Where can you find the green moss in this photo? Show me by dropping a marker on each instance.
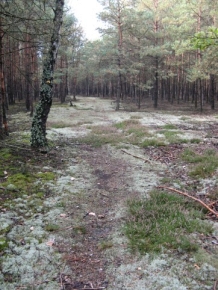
(5, 154)
(51, 227)
(5, 230)
(20, 181)
(40, 195)
(3, 243)
(46, 176)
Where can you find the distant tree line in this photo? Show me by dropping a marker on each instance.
(159, 50)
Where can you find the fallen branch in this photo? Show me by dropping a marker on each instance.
(15, 147)
(139, 157)
(192, 197)
(2, 188)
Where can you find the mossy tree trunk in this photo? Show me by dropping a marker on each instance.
(38, 130)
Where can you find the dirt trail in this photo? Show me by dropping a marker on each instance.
(88, 201)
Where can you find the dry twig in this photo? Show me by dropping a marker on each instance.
(192, 197)
(139, 157)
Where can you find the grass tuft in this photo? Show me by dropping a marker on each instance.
(152, 142)
(169, 127)
(205, 163)
(127, 123)
(164, 221)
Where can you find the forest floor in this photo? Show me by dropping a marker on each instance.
(63, 213)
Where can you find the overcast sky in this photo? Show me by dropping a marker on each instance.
(85, 11)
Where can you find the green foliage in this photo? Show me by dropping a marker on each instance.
(164, 221)
(138, 131)
(152, 142)
(3, 243)
(5, 154)
(195, 141)
(206, 163)
(59, 125)
(51, 227)
(20, 181)
(46, 176)
(169, 127)
(170, 135)
(5, 157)
(202, 40)
(127, 123)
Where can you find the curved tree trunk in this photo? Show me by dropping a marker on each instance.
(38, 130)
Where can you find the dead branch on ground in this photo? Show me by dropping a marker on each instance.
(192, 197)
(138, 157)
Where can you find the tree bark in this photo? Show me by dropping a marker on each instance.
(38, 130)
(3, 117)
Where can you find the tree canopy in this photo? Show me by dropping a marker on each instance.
(159, 51)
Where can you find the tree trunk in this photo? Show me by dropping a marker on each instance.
(3, 117)
(38, 130)
(212, 92)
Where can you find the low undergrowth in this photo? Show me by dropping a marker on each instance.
(98, 140)
(164, 221)
(203, 165)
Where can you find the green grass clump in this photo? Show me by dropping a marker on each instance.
(164, 221)
(138, 131)
(172, 136)
(127, 123)
(206, 163)
(20, 181)
(52, 227)
(170, 127)
(5, 154)
(3, 244)
(195, 141)
(59, 125)
(152, 142)
(46, 176)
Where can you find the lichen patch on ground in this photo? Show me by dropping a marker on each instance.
(67, 231)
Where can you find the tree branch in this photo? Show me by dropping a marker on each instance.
(192, 197)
